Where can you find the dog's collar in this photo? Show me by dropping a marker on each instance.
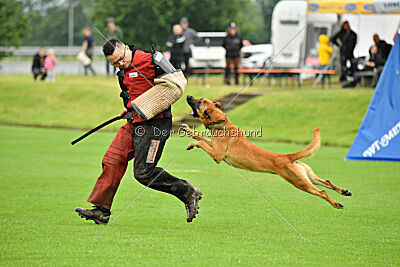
(215, 123)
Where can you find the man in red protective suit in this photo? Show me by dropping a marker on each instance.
(140, 139)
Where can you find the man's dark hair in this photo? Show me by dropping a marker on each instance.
(109, 46)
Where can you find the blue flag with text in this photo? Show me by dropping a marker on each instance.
(379, 135)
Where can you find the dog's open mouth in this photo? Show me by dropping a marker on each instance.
(194, 113)
(194, 104)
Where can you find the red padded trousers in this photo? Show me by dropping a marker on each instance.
(114, 163)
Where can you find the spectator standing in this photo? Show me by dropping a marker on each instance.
(324, 53)
(383, 47)
(191, 37)
(38, 64)
(346, 39)
(112, 31)
(87, 47)
(176, 42)
(50, 66)
(232, 43)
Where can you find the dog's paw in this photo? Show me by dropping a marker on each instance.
(191, 145)
(346, 192)
(187, 129)
(339, 205)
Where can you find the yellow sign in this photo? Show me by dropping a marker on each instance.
(354, 7)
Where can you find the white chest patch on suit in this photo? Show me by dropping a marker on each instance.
(151, 154)
(133, 74)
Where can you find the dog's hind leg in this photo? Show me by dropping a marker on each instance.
(297, 176)
(318, 181)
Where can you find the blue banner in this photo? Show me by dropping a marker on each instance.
(379, 135)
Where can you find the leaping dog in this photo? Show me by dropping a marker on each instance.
(230, 144)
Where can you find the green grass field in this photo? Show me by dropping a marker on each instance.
(44, 178)
(286, 114)
(76, 101)
(291, 116)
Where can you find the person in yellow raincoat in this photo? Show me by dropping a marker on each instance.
(324, 53)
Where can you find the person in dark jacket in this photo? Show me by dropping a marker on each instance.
(191, 37)
(176, 42)
(232, 43)
(346, 39)
(112, 31)
(38, 65)
(383, 47)
(375, 63)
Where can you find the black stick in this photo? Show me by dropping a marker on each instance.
(95, 129)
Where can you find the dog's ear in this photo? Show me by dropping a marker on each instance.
(218, 105)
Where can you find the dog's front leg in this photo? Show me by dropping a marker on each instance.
(217, 153)
(195, 135)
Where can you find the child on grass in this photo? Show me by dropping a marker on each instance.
(50, 65)
(324, 51)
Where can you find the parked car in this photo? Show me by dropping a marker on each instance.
(256, 56)
(207, 51)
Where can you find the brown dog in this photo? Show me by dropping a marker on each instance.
(230, 144)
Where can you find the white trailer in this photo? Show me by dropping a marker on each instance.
(287, 33)
(295, 32)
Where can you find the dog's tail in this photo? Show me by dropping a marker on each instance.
(310, 149)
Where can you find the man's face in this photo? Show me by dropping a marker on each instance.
(121, 57)
(232, 31)
(376, 38)
(111, 25)
(177, 29)
(184, 25)
(42, 52)
(374, 50)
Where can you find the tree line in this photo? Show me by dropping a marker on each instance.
(45, 22)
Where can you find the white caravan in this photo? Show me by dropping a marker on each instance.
(295, 32)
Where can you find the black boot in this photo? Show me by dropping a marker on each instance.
(99, 214)
(192, 204)
(236, 76)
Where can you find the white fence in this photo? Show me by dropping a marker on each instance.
(58, 50)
